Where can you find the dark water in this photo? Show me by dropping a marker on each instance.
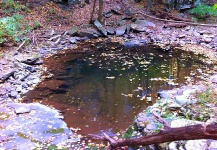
(106, 89)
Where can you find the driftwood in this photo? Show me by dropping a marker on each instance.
(168, 134)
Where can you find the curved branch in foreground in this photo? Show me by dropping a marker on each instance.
(190, 23)
(167, 134)
(192, 132)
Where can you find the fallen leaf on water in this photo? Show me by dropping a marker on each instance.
(112, 77)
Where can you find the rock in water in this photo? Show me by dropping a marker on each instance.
(100, 28)
(121, 30)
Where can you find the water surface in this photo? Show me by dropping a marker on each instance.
(106, 89)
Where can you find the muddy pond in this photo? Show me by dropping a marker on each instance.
(102, 86)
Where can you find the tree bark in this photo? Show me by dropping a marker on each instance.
(173, 134)
(168, 134)
(100, 13)
(94, 6)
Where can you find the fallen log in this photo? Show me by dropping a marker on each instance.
(192, 132)
(167, 134)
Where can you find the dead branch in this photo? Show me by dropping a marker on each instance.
(165, 20)
(159, 119)
(192, 132)
(176, 25)
(168, 134)
(20, 46)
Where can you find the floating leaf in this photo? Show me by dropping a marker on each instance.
(112, 77)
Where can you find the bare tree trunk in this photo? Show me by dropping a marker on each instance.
(93, 10)
(100, 13)
(149, 5)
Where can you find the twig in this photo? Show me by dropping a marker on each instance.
(111, 140)
(21, 45)
(159, 119)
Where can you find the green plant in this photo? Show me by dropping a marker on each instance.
(37, 24)
(202, 11)
(129, 131)
(207, 97)
(9, 28)
(10, 6)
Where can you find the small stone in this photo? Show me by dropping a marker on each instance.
(111, 31)
(174, 106)
(100, 27)
(29, 68)
(196, 33)
(121, 30)
(24, 91)
(14, 94)
(181, 35)
(73, 31)
(131, 43)
(19, 89)
(213, 78)
(142, 41)
(87, 1)
(22, 110)
(183, 122)
(173, 146)
(5, 74)
(37, 80)
(108, 14)
(73, 40)
(213, 145)
(196, 145)
(206, 39)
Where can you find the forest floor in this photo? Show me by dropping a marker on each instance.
(47, 17)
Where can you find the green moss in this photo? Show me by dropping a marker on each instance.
(22, 135)
(9, 6)
(54, 147)
(9, 28)
(129, 131)
(207, 97)
(55, 131)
